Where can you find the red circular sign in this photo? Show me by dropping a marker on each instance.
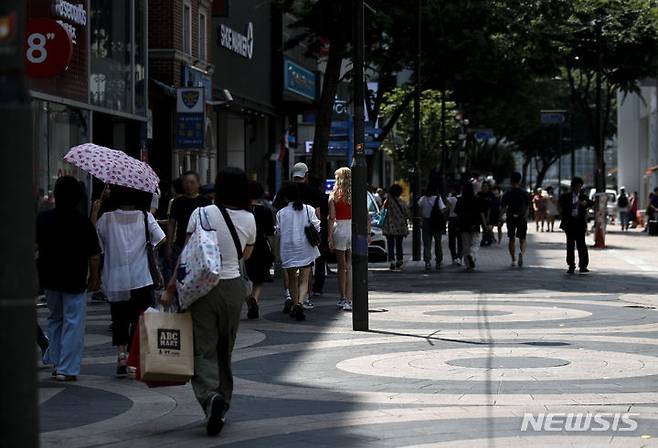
(47, 48)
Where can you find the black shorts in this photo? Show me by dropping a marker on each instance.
(517, 228)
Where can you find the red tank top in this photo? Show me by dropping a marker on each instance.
(343, 210)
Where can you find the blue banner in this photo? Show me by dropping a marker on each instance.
(299, 80)
(189, 131)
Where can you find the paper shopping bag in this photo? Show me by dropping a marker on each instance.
(166, 347)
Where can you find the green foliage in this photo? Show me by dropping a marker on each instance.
(399, 143)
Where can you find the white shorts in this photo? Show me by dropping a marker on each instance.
(342, 235)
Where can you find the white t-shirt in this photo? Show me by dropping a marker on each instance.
(245, 226)
(452, 202)
(296, 251)
(125, 263)
(426, 204)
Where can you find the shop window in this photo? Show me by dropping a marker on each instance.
(203, 40)
(187, 28)
(141, 50)
(111, 60)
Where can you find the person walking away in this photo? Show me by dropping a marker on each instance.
(574, 206)
(181, 210)
(68, 250)
(552, 209)
(516, 204)
(496, 216)
(633, 210)
(454, 235)
(216, 316)
(624, 208)
(340, 234)
(320, 268)
(471, 211)
(539, 206)
(434, 225)
(127, 281)
(396, 226)
(488, 198)
(259, 264)
(297, 253)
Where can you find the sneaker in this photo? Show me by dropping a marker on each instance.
(340, 303)
(62, 378)
(470, 262)
(571, 270)
(584, 270)
(122, 365)
(308, 305)
(298, 313)
(438, 265)
(215, 415)
(520, 259)
(253, 310)
(287, 306)
(398, 264)
(428, 266)
(347, 306)
(392, 266)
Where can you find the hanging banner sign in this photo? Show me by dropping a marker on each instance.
(47, 48)
(190, 118)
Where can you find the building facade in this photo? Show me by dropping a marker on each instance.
(88, 83)
(637, 130)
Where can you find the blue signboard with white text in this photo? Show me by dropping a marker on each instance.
(190, 118)
(299, 80)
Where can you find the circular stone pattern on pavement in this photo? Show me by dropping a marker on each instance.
(475, 313)
(506, 364)
(511, 362)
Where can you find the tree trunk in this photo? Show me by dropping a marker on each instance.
(524, 170)
(326, 108)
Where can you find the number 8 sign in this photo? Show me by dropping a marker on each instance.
(48, 48)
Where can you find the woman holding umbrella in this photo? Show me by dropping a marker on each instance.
(124, 233)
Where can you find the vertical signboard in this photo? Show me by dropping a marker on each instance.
(190, 117)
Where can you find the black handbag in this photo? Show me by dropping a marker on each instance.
(154, 269)
(312, 234)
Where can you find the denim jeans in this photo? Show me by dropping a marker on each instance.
(66, 331)
(429, 235)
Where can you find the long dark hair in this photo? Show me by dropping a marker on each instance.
(231, 188)
(290, 191)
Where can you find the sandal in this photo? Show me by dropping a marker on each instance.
(122, 365)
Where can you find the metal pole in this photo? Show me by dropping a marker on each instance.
(18, 406)
(559, 161)
(359, 181)
(442, 171)
(416, 178)
(599, 170)
(573, 147)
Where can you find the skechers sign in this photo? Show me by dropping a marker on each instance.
(237, 42)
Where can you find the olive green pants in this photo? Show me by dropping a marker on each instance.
(216, 318)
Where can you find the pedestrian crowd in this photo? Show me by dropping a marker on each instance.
(122, 250)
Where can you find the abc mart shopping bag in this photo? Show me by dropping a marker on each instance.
(200, 262)
(166, 347)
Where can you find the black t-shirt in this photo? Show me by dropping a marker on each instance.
(181, 210)
(65, 240)
(516, 200)
(469, 211)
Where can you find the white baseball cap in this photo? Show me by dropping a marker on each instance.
(299, 170)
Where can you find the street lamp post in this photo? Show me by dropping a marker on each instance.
(599, 170)
(359, 180)
(18, 406)
(417, 140)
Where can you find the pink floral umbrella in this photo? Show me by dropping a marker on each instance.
(113, 167)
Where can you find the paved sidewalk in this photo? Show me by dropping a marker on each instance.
(456, 360)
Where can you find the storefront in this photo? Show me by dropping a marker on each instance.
(85, 82)
(244, 115)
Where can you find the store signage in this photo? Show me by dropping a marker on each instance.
(70, 15)
(299, 80)
(237, 42)
(48, 48)
(196, 78)
(190, 118)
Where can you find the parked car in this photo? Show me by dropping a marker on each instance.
(611, 206)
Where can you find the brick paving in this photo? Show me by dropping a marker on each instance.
(454, 359)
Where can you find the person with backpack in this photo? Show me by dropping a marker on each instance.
(516, 204)
(216, 315)
(623, 207)
(432, 211)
